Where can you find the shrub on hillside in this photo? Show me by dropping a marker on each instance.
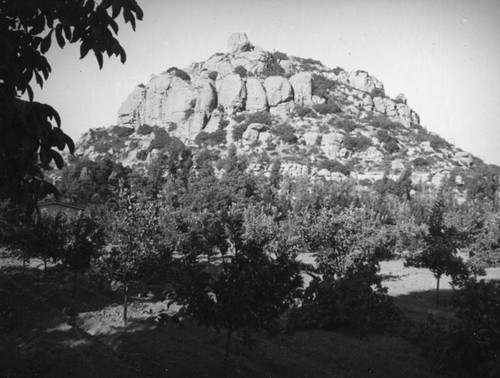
(377, 92)
(240, 70)
(179, 73)
(421, 162)
(172, 126)
(286, 133)
(334, 166)
(144, 129)
(278, 55)
(273, 68)
(382, 122)
(337, 70)
(122, 131)
(322, 86)
(327, 108)
(304, 111)
(437, 142)
(344, 124)
(259, 117)
(239, 130)
(142, 155)
(357, 143)
(210, 139)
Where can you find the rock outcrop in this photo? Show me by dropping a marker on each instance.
(256, 96)
(302, 88)
(238, 42)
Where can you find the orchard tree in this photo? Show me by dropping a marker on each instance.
(27, 29)
(256, 282)
(139, 247)
(440, 248)
(85, 240)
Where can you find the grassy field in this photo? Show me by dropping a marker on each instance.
(45, 332)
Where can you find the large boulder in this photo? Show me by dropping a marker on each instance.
(232, 93)
(302, 88)
(364, 82)
(219, 63)
(238, 42)
(330, 144)
(251, 134)
(256, 96)
(278, 90)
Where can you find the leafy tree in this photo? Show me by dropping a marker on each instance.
(26, 31)
(140, 248)
(439, 253)
(255, 283)
(85, 240)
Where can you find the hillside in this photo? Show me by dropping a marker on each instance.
(320, 122)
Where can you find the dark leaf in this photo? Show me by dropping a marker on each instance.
(67, 32)
(84, 49)
(70, 144)
(45, 45)
(58, 139)
(117, 5)
(39, 79)
(30, 92)
(123, 55)
(45, 156)
(98, 56)
(59, 36)
(57, 159)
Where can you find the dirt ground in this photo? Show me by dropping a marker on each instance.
(46, 333)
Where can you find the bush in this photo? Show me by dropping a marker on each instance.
(240, 70)
(344, 124)
(142, 155)
(179, 73)
(278, 55)
(377, 92)
(259, 117)
(421, 162)
(334, 166)
(122, 131)
(437, 142)
(215, 138)
(311, 61)
(477, 341)
(327, 108)
(304, 112)
(239, 130)
(322, 86)
(356, 301)
(337, 70)
(273, 68)
(286, 133)
(382, 122)
(144, 129)
(206, 155)
(357, 143)
(213, 75)
(172, 126)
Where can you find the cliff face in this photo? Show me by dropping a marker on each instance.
(250, 79)
(321, 122)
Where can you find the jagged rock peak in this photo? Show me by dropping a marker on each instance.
(239, 42)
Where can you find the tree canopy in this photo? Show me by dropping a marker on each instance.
(30, 130)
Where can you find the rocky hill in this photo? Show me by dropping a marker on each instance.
(320, 122)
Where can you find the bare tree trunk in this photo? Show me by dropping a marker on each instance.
(437, 290)
(125, 305)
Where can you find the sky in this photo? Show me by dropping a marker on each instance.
(444, 55)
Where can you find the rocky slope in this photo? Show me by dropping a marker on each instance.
(323, 123)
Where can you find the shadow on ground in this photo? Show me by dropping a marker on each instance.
(46, 333)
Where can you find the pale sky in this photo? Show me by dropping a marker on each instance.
(444, 55)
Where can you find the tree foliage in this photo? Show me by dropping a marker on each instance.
(27, 29)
